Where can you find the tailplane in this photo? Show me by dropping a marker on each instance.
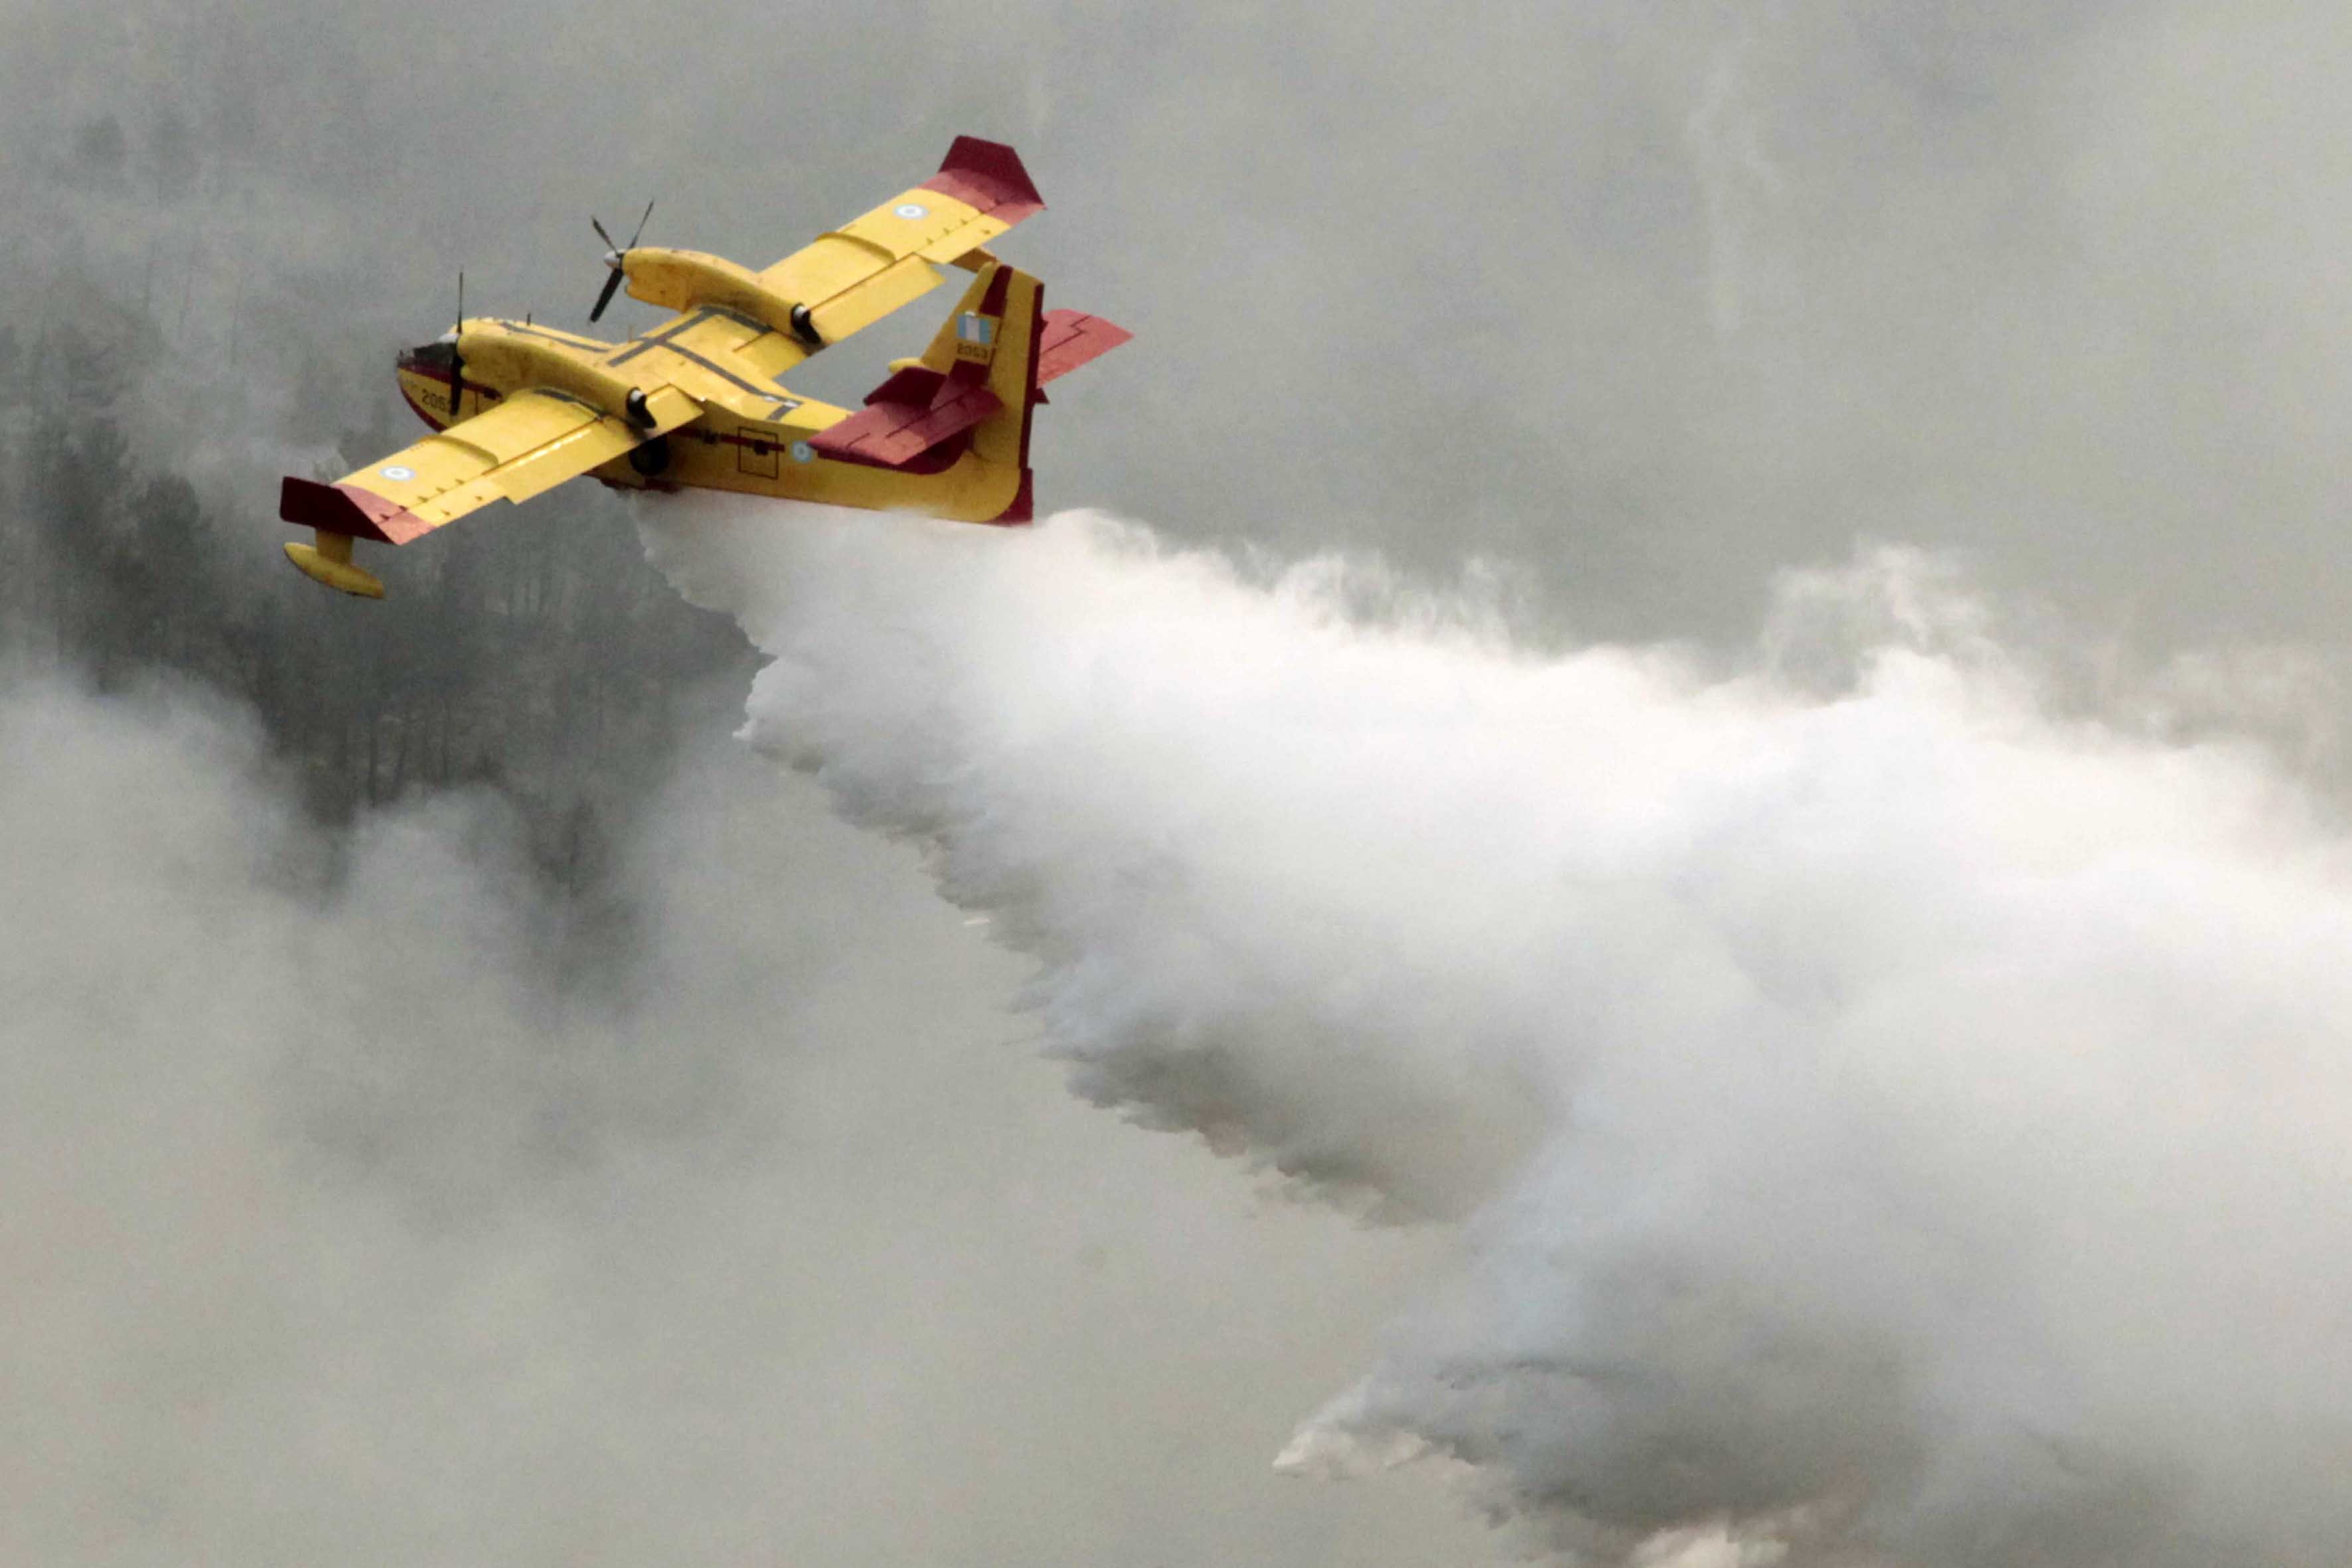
(974, 388)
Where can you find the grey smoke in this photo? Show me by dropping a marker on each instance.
(1656, 300)
(336, 1231)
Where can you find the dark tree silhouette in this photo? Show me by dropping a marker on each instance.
(532, 653)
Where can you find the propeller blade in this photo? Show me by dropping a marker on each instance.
(612, 287)
(613, 255)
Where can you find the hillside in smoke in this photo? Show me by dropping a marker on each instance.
(343, 1224)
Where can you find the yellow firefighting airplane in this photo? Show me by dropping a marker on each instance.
(519, 409)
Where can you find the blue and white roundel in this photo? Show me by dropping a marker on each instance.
(399, 471)
(803, 452)
(910, 211)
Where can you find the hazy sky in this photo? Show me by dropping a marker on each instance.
(331, 1234)
(1648, 299)
(792, 1243)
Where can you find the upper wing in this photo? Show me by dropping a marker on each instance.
(525, 443)
(864, 270)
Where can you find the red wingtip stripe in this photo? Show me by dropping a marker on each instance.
(988, 176)
(347, 508)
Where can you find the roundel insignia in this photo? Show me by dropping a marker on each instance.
(910, 211)
(803, 453)
(400, 472)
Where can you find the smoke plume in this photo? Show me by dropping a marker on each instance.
(1891, 1121)
(340, 1226)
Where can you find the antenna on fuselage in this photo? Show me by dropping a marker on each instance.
(457, 355)
(613, 255)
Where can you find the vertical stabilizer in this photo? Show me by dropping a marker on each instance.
(971, 391)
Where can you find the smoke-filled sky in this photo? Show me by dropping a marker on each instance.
(1748, 989)
(1653, 299)
(332, 1235)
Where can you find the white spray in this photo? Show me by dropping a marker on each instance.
(1894, 1125)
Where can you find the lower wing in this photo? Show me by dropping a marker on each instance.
(530, 442)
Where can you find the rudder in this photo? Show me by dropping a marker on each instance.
(994, 337)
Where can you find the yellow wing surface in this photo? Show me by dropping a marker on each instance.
(575, 403)
(869, 267)
(525, 444)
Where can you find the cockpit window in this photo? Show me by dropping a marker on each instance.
(437, 355)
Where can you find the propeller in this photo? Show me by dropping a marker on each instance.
(612, 254)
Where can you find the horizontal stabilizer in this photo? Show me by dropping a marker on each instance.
(916, 412)
(1071, 339)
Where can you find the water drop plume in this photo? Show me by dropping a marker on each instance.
(1887, 1119)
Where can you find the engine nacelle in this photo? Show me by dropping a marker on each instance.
(689, 279)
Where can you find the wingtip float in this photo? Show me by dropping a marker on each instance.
(519, 407)
(329, 561)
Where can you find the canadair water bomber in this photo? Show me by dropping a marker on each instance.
(517, 408)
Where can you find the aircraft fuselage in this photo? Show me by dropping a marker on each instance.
(752, 438)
